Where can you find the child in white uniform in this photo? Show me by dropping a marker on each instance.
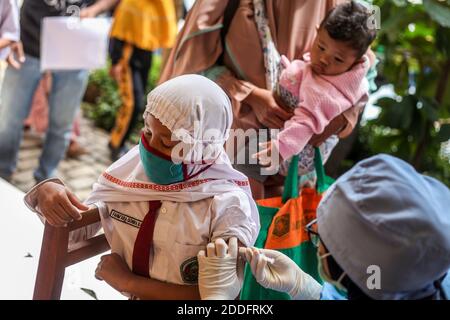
(158, 213)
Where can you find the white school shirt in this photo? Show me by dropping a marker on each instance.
(181, 230)
(9, 23)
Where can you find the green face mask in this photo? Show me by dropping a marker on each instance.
(159, 168)
(336, 283)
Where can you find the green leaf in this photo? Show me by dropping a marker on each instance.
(90, 292)
(438, 11)
(444, 133)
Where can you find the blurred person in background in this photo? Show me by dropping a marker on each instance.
(22, 78)
(9, 26)
(37, 120)
(139, 28)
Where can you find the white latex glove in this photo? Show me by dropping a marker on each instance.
(274, 270)
(217, 275)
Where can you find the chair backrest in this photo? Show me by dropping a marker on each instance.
(57, 254)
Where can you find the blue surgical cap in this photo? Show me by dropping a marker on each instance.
(383, 215)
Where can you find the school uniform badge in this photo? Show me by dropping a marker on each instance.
(189, 271)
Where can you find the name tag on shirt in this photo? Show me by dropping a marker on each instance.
(121, 217)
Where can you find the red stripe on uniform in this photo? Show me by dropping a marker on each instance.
(167, 188)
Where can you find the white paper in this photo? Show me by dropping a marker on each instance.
(70, 43)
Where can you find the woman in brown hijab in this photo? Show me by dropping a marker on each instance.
(240, 68)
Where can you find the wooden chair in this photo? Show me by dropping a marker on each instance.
(57, 254)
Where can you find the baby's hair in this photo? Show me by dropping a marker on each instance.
(349, 22)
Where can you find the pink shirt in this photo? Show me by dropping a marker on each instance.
(318, 99)
(9, 23)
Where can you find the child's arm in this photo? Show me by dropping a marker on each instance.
(113, 269)
(151, 289)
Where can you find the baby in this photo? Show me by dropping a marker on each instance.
(330, 79)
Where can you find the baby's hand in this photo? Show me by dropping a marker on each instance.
(267, 156)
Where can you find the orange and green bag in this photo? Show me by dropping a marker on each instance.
(283, 220)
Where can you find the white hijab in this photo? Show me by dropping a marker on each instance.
(196, 110)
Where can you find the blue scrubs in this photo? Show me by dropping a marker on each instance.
(329, 292)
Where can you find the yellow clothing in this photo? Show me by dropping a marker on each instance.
(146, 24)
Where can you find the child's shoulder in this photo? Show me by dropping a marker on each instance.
(237, 202)
(235, 197)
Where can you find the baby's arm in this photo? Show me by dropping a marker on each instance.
(311, 117)
(296, 133)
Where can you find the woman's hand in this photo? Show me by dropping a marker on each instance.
(266, 109)
(113, 269)
(58, 205)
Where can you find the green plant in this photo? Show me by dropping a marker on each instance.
(106, 102)
(414, 48)
(104, 97)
